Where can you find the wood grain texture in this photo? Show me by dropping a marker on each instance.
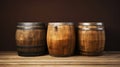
(91, 39)
(11, 59)
(61, 39)
(16, 65)
(31, 42)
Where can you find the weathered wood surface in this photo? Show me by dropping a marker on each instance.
(91, 38)
(11, 59)
(60, 39)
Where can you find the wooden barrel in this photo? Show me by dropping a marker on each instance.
(91, 36)
(61, 39)
(31, 38)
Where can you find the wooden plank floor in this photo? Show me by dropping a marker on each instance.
(109, 59)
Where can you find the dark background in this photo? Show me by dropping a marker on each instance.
(13, 11)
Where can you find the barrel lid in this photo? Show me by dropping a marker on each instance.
(30, 24)
(60, 23)
(91, 23)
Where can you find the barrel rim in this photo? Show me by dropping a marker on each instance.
(91, 29)
(91, 23)
(30, 23)
(60, 23)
